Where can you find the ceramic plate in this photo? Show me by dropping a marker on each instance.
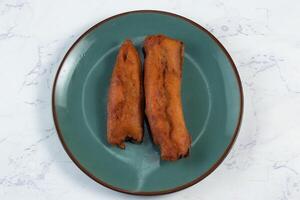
(211, 94)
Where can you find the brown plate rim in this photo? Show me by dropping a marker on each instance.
(178, 188)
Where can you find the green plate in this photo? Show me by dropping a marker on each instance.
(211, 94)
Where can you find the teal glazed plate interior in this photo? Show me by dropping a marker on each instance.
(211, 94)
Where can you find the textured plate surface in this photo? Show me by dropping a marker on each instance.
(211, 93)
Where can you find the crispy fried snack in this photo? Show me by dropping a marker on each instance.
(162, 83)
(125, 109)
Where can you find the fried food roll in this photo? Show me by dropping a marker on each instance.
(162, 84)
(125, 98)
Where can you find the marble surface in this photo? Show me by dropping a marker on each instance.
(264, 41)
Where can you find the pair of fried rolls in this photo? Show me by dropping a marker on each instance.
(162, 94)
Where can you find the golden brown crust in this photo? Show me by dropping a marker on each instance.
(125, 112)
(162, 84)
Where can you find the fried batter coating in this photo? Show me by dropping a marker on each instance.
(125, 109)
(162, 85)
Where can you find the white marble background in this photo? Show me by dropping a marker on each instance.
(261, 35)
